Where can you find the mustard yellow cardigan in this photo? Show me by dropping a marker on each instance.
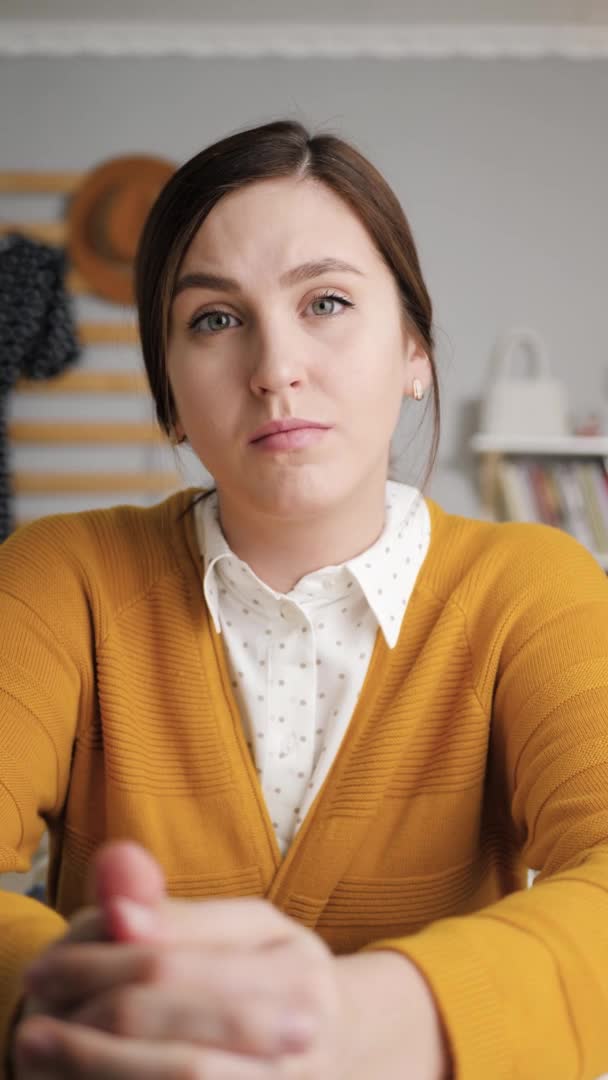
(478, 748)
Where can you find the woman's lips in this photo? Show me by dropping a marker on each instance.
(296, 439)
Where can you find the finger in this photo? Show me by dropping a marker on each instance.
(123, 868)
(74, 972)
(236, 923)
(258, 1026)
(88, 924)
(57, 1049)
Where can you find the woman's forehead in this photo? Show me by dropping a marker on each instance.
(287, 220)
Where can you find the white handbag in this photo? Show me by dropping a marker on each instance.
(520, 404)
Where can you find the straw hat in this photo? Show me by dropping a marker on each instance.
(105, 218)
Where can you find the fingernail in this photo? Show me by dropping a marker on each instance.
(139, 919)
(296, 1031)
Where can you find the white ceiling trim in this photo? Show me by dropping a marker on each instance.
(59, 37)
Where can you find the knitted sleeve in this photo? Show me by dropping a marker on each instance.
(522, 985)
(44, 636)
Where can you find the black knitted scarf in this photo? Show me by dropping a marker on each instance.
(37, 332)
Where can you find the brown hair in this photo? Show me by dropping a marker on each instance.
(280, 148)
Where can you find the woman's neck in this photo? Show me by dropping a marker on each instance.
(281, 549)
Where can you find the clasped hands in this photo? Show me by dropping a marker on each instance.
(143, 987)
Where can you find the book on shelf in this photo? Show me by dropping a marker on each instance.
(570, 494)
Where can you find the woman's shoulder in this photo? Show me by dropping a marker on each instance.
(118, 550)
(499, 559)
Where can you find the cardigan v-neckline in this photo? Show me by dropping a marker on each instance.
(299, 879)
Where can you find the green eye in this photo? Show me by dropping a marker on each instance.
(211, 322)
(324, 306)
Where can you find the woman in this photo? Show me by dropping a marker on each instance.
(338, 721)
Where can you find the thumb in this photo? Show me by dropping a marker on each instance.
(124, 870)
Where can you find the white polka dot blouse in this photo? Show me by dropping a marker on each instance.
(298, 660)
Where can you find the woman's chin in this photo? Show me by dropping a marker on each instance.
(293, 497)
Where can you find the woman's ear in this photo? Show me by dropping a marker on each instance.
(417, 367)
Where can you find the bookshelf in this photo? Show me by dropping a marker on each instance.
(561, 481)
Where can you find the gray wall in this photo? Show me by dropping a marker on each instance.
(402, 11)
(501, 166)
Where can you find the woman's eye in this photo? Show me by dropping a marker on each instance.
(211, 322)
(329, 305)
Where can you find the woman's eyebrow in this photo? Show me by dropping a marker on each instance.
(202, 279)
(315, 269)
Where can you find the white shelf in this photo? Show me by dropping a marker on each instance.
(581, 445)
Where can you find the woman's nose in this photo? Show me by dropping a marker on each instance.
(277, 361)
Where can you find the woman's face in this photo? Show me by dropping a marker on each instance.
(284, 308)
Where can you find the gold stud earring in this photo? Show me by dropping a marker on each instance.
(417, 390)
